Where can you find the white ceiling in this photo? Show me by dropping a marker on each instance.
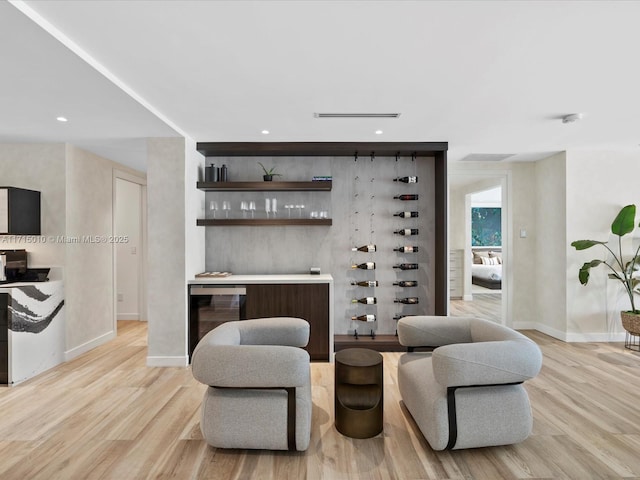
(487, 77)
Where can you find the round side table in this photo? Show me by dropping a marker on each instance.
(358, 392)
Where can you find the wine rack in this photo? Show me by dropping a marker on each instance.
(408, 261)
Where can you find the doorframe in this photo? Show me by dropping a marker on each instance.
(504, 178)
(142, 259)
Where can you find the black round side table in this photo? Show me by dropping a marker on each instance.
(358, 392)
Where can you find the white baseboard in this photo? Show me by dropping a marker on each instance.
(167, 361)
(90, 345)
(570, 337)
(595, 337)
(128, 316)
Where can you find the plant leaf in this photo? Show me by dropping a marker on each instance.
(625, 221)
(584, 244)
(583, 274)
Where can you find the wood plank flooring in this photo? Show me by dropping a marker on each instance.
(105, 415)
(483, 305)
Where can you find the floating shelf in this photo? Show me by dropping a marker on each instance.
(318, 186)
(262, 222)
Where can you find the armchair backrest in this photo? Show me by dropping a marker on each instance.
(472, 351)
(254, 353)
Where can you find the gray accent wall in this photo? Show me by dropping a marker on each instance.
(361, 205)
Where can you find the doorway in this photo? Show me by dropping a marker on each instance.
(477, 200)
(129, 246)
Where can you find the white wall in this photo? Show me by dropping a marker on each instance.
(194, 209)
(38, 167)
(599, 184)
(128, 218)
(551, 246)
(175, 247)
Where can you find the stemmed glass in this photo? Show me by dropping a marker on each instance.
(244, 207)
(274, 206)
(252, 208)
(213, 206)
(267, 206)
(227, 207)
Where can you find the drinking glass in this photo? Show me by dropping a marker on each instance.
(213, 206)
(227, 207)
(267, 206)
(244, 207)
(274, 206)
(252, 207)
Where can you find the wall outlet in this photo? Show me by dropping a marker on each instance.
(120, 297)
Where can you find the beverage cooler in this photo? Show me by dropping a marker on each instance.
(211, 306)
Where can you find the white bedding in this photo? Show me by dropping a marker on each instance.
(487, 272)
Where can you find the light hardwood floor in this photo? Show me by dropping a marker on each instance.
(483, 305)
(107, 415)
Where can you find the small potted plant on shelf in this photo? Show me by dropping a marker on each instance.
(622, 268)
(269, 174)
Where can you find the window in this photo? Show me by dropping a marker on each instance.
(486, 227)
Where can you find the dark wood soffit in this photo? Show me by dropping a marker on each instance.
(320, 149)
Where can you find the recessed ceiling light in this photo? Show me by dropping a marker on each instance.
(378, 132)
(574, 117)
(61, 119)
(265, 132)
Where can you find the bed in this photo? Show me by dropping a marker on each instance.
(486, 268)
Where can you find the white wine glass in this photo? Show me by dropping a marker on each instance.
(252, 208)
(226, 206)
(213, 206)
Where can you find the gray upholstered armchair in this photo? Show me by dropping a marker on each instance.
(259, 393)
(468, 392)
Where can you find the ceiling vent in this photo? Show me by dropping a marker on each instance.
(356, 115)
(486, 157)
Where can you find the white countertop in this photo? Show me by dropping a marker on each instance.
(266, 278)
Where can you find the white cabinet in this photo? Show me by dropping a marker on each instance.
(456, 274)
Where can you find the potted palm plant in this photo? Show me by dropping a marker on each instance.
(622, 268)
(269, 174)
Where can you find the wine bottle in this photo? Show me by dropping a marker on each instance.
(406, 214)
(407, 266)
(364, 248)
(406, 179)
(365, 300)
(406, 231)
(406, 249)
(406, 283)
(365, 266)
(365, 318)
(407, 300)
(368, 283)
(405, 197)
